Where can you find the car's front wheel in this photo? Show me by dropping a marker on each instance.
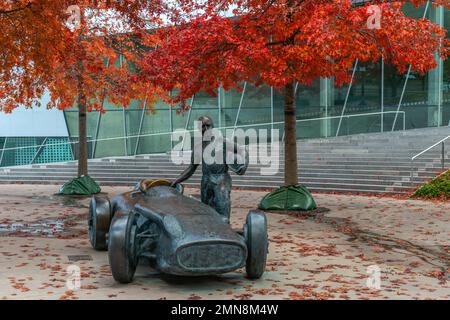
(122, 249)
(98, 223)
(255, 234)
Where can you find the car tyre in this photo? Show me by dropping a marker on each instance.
(122, 248)
(98, 222)
(255, 234)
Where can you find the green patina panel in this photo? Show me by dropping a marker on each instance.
(295, 198)
(83, 185)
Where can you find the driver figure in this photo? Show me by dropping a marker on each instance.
(216, 180)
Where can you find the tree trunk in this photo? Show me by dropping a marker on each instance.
(82, 130)
(82, 135)
(290, 139)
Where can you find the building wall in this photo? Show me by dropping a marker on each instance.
(33, 135)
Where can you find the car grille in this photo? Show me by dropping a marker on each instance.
(211, 257)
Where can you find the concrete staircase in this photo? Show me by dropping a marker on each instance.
(365, 163)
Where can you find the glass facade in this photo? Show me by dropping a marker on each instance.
(17, 151)
(378, 99)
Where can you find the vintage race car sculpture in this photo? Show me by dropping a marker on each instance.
(177, 234)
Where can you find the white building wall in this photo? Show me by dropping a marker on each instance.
(33, 122)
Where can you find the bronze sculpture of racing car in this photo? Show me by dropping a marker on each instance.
(177, 234)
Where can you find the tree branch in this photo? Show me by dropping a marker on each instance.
(7, 12)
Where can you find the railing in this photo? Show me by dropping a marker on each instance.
(186, 130)
(352, 116)
(440, 142)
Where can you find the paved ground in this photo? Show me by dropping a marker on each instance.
(331, 256)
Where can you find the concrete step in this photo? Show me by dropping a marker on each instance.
(370, 163)
(317, 174)
(340, 189)
(318, 171)
(357, 165)
(330, 186)
(363, 174)
(387, 181)
(302, 166)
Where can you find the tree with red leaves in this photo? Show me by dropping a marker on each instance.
(71, 48)
(279, 43)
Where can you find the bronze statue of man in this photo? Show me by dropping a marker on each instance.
(216, 180)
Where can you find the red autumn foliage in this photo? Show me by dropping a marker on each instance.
(41, 51)
(278, 42)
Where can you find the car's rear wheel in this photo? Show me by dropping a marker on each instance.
(99, 221)
(122, 248)
(255, 234)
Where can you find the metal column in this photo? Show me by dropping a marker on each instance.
(219, 107)
(3, 151)
(39, 150)
(240, 107)
(124, 118)
(406, 79)
(347, 96)
(140, 126)
(99, 118)
(271, 115)
(187, 122)
(382, 95)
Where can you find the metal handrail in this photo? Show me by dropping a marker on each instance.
(442, 142)
(348, 116)
(192, 130)
(429, 148)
